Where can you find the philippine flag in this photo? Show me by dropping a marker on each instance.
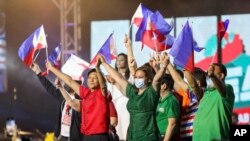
(37, 40)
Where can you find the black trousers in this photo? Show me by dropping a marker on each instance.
(62, 138)
(97, 137)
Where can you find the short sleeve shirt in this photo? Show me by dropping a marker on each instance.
(142, 109)
(168, 107)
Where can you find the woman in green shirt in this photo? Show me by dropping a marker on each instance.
(143, 97)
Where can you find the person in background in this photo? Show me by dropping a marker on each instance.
(120, 101)
(93, 104)
(235, 119)
(143, 98)
(214, 116)
(69, 120)
(168, 110)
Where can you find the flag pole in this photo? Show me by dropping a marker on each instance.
(47, 58)
(155, 43)
(36, 56)
(129, 30)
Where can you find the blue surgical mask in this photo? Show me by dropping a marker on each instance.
(139, 83)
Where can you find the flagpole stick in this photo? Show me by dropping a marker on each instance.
(155, 43)
(213, 59)
(47, 58)
(34, 60)
(129, 30)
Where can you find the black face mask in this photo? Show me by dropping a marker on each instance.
(67, 88)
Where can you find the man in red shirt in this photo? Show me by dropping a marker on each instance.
(93, 105)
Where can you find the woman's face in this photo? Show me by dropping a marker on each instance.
(140, 76)
(121, 62)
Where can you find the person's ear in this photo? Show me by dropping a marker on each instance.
(164, 86)
(222, 76)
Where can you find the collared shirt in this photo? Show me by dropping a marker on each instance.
(213, 118)
(95, 112)
(142, 108)
(168, 107)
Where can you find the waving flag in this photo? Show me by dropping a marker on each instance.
(182, 49)
(159, 25)
(196, 47)
(154, 32)
(140, 14)
(107, 50)
(37, 40)
(222, 28)
(55, 57)
(74, 67)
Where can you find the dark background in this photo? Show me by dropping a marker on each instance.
(33, 107)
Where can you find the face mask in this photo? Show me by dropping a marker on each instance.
(210, 83)
(139, 83)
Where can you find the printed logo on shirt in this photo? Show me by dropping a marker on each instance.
(161, 110)
(67, 118)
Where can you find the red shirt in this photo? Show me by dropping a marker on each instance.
(112, 110)
(95, 112)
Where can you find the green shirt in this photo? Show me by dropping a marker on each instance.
(142, 126)
(168, 107)
(213, 118)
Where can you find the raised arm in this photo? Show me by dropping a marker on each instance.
(73, 103)
(218, 83)
(164, 61)
(177, 78)
(101, 79)
(131, 60)
(193, 84)
(118, 78)
(50, 88)
(64, 77)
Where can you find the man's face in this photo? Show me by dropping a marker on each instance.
(93, 82)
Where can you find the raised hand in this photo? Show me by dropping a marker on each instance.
(127, 41)
(49, 65)
(132, 63)
(164, 59)
(101, 59)
(210, 71)
(58, 83)
(35, 68)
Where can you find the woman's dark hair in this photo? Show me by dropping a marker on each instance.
(127, 72)
(150, 67)
(148, 73)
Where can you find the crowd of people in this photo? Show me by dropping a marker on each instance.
(153, 102)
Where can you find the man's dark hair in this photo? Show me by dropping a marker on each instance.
(92, 70)
(223, 69)
(168, 80)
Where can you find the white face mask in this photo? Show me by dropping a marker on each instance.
(139, 83)
(210, 83)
